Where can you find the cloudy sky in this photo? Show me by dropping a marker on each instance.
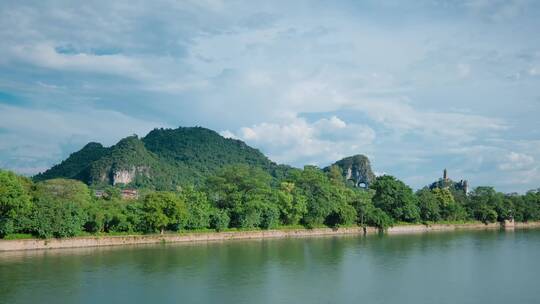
(417, 87)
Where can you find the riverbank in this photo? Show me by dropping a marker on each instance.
(96, 241)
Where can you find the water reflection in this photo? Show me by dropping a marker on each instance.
(434, 267)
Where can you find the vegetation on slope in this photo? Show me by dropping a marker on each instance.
(163, 160)
(245, 197)
(194, 179)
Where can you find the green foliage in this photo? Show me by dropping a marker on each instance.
(246, 193)
(162, 160)
(15, 203)
(526, 207)
(65, 190)
(60, 208)
(450, 210)
(219, 219)
(342, 215)
(164, 210)
(439, 204)
(429, 205)
(219, 183)
(376, 217)
(199, 208)
(487, 205)
(367, 213)
(57, 218)
(316, 187)
(106, 215)
(76, 164)
(395, 198)
(292, 203)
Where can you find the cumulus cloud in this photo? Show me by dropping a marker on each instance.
(416, 94)
(45, 55)
(299, 142)
(516, 161)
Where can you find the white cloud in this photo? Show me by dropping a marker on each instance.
(516, 161)
(261, 70)
(45, 55)
(297, 141)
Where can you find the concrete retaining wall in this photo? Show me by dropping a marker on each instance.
(28, 244)
(32, 244)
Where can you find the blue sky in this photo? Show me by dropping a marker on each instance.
(416, 86)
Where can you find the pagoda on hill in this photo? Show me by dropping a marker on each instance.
(446, 183)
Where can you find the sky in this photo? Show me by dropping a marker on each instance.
(418, 86)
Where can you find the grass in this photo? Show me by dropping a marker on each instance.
(18, 236)
(22, 236)
(460, 222)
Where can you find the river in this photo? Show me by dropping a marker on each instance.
(436, 267)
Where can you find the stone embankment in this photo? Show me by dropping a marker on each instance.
(32, 244)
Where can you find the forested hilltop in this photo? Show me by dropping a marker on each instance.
(162, 160)
(194, 179)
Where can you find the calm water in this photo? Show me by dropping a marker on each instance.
(451, 267)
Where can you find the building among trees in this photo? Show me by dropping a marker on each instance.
(446, 183)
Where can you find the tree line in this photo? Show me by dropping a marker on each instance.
(245, 197)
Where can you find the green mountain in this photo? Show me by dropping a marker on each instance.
(163, 159)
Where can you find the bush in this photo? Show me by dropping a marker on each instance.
(343, 215)
(378, 218)
(54, 218)
(219, 220)
(270, 217)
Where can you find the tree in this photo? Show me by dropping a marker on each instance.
(376, 217)
(395, 198)
(60, 207)
(335, 175)
(57, 218)
(108, 215)
(164, 210)
(315, 186)
(367, 213)
(449, 209)
(428, 204)
(484, 204)
(246, 193)
(292, 203)
(343, 215)
(15, 203)
(219, 220)
(199, 209)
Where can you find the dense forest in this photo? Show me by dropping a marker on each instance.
(245, 197)
(162, 160)
(195, 179)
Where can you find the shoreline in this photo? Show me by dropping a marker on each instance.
(99, 241)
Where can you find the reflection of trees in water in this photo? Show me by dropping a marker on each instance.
(34, 276)
(245, 271)
(402, 245)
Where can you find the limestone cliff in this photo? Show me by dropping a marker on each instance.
(356, 169)
(126, 176)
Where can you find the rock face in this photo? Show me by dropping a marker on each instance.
(356, 169)
(123, 177)
(126, 176)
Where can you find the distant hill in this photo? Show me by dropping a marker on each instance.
(356, 169)
(163, 159)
